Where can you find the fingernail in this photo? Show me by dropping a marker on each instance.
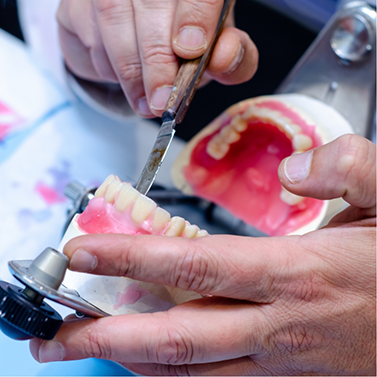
(143, 106)
(236, 61)
(50, 351)
(297, 166)
(191, 38)
(160, 97)
(82, 261)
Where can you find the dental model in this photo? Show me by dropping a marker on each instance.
(118, 208)
(233, 162)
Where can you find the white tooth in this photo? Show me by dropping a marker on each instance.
(302, 142)
(217, 148)
(142, 208)
(289, 198)
(230, 135)
(112, 191)
(202, 233)
(239, 124)
(216, 151)
(160, 219)
(176, 227)
(102, 189)
(217, 139)
(127, 195)
(191, 231)
(291, 129)
(249, 112)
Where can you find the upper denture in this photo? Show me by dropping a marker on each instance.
(233, 162)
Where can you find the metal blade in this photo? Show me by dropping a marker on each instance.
(160, 147)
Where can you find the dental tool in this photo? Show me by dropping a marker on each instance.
(184, 88)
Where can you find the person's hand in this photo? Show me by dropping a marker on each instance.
(295, 305)
(138, 42)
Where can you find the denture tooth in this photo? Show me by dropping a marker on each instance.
(176, 227)
(217, 152)
(142, 208)
(302, 142)
(217, 148)
(249, 112)
(112, 191)
(291, 129)
(202, 233)
(160, 219)
(238, 123)
(230, 135)
(102, 189)
(191, 231)
(289, 198)
(126, 196)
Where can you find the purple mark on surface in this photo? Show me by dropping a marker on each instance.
(131, 294)
(27, 217)
(54, 193)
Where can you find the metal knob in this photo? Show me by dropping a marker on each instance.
(49, 268)
(23, 314)
(352, 38)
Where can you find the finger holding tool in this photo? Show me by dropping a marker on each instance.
(184, 88)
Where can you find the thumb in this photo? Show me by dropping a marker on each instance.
(344, 168)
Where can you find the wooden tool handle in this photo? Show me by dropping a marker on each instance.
(189, 75)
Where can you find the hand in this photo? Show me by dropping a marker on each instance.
(296, 305)
(137, 43)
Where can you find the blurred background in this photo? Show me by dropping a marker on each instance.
(282, 31)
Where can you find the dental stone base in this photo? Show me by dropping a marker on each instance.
(120, 295)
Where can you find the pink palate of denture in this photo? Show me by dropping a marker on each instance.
(118, 208)
(233, 162)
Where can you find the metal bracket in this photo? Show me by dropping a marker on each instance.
(339, 68)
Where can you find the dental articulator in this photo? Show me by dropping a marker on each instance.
(335, 80)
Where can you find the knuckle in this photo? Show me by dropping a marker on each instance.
(156, 53)
(97, 345)
(175, 346)
(113, 12)
(196, 270)
(129, 70)
(204, 7)
(131, 261)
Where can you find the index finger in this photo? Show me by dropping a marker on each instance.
(229, 266)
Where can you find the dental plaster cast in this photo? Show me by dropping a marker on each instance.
(118, 208)
(233, 162)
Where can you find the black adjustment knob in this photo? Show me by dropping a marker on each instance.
(23, 315)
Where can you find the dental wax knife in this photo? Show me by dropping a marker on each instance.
(184, 88)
